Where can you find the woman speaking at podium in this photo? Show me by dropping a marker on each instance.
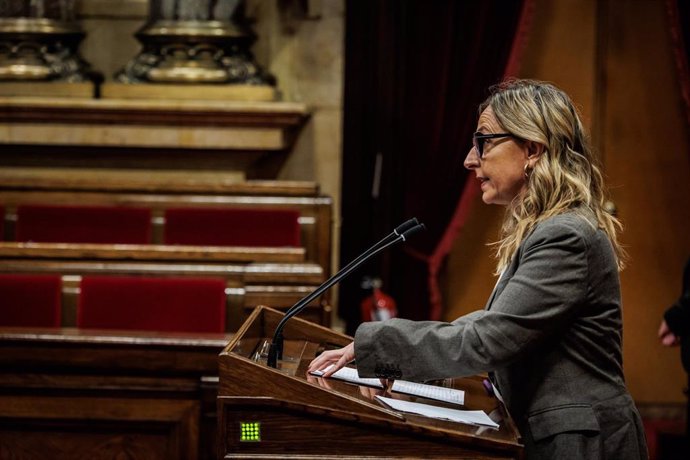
(550, 335)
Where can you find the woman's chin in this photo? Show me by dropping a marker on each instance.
(490, 198)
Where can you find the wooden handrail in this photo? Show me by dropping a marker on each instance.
(150, 252)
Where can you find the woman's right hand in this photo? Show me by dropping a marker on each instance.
(666, 336)
(337, 359)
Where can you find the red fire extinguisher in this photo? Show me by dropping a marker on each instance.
(377, 305)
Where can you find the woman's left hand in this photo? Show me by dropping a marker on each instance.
(337, 358)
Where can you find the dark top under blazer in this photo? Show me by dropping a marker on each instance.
(550, 336)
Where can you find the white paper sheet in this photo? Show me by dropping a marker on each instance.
(349, 374)
(473, 417)
(449, 395)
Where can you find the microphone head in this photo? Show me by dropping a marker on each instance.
(411, 231)
(408, 224)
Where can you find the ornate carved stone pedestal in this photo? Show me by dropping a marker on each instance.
(197, 42)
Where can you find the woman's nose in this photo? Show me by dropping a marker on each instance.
(472, 159)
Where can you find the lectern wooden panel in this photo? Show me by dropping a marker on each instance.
(284, 413)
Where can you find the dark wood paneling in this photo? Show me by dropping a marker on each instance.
(67, 394)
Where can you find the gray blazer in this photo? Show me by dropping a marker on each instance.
(550, 338)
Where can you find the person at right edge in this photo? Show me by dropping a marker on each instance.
(550, 335)
(675, 330)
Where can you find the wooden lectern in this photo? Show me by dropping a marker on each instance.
(283, 413)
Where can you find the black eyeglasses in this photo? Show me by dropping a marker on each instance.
(479, 139)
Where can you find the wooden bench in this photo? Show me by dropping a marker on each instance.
(247, 284)
(160, 192)
(150, 252)
(67, 393)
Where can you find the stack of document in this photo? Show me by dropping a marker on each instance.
(450, 395)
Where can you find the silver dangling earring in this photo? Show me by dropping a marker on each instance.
(527, 171)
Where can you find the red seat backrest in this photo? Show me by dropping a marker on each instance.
(174, 304)
(83, 224)
(30, 300)
(232, 227)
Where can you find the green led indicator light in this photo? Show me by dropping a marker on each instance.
(250, 431)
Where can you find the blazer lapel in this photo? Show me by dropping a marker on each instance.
(497, 290)
(502, 282)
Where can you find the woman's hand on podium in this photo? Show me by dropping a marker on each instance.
(337, 359)
(319, 381)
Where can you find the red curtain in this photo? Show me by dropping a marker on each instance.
(679, 26)
(415, 73)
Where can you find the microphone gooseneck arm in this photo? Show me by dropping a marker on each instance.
(401, 233)
(400, 229)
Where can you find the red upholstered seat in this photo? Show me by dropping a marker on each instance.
(232, 227)
(83, 224)
(152, 303)
(30, 300)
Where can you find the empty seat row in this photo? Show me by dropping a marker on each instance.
(213, 210)
(167, 304)
(133, 225)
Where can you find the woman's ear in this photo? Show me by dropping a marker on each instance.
(534, 149)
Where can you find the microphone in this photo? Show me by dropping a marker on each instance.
(400, 229)
(401, 233)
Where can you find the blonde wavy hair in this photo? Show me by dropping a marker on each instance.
(566, 177)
